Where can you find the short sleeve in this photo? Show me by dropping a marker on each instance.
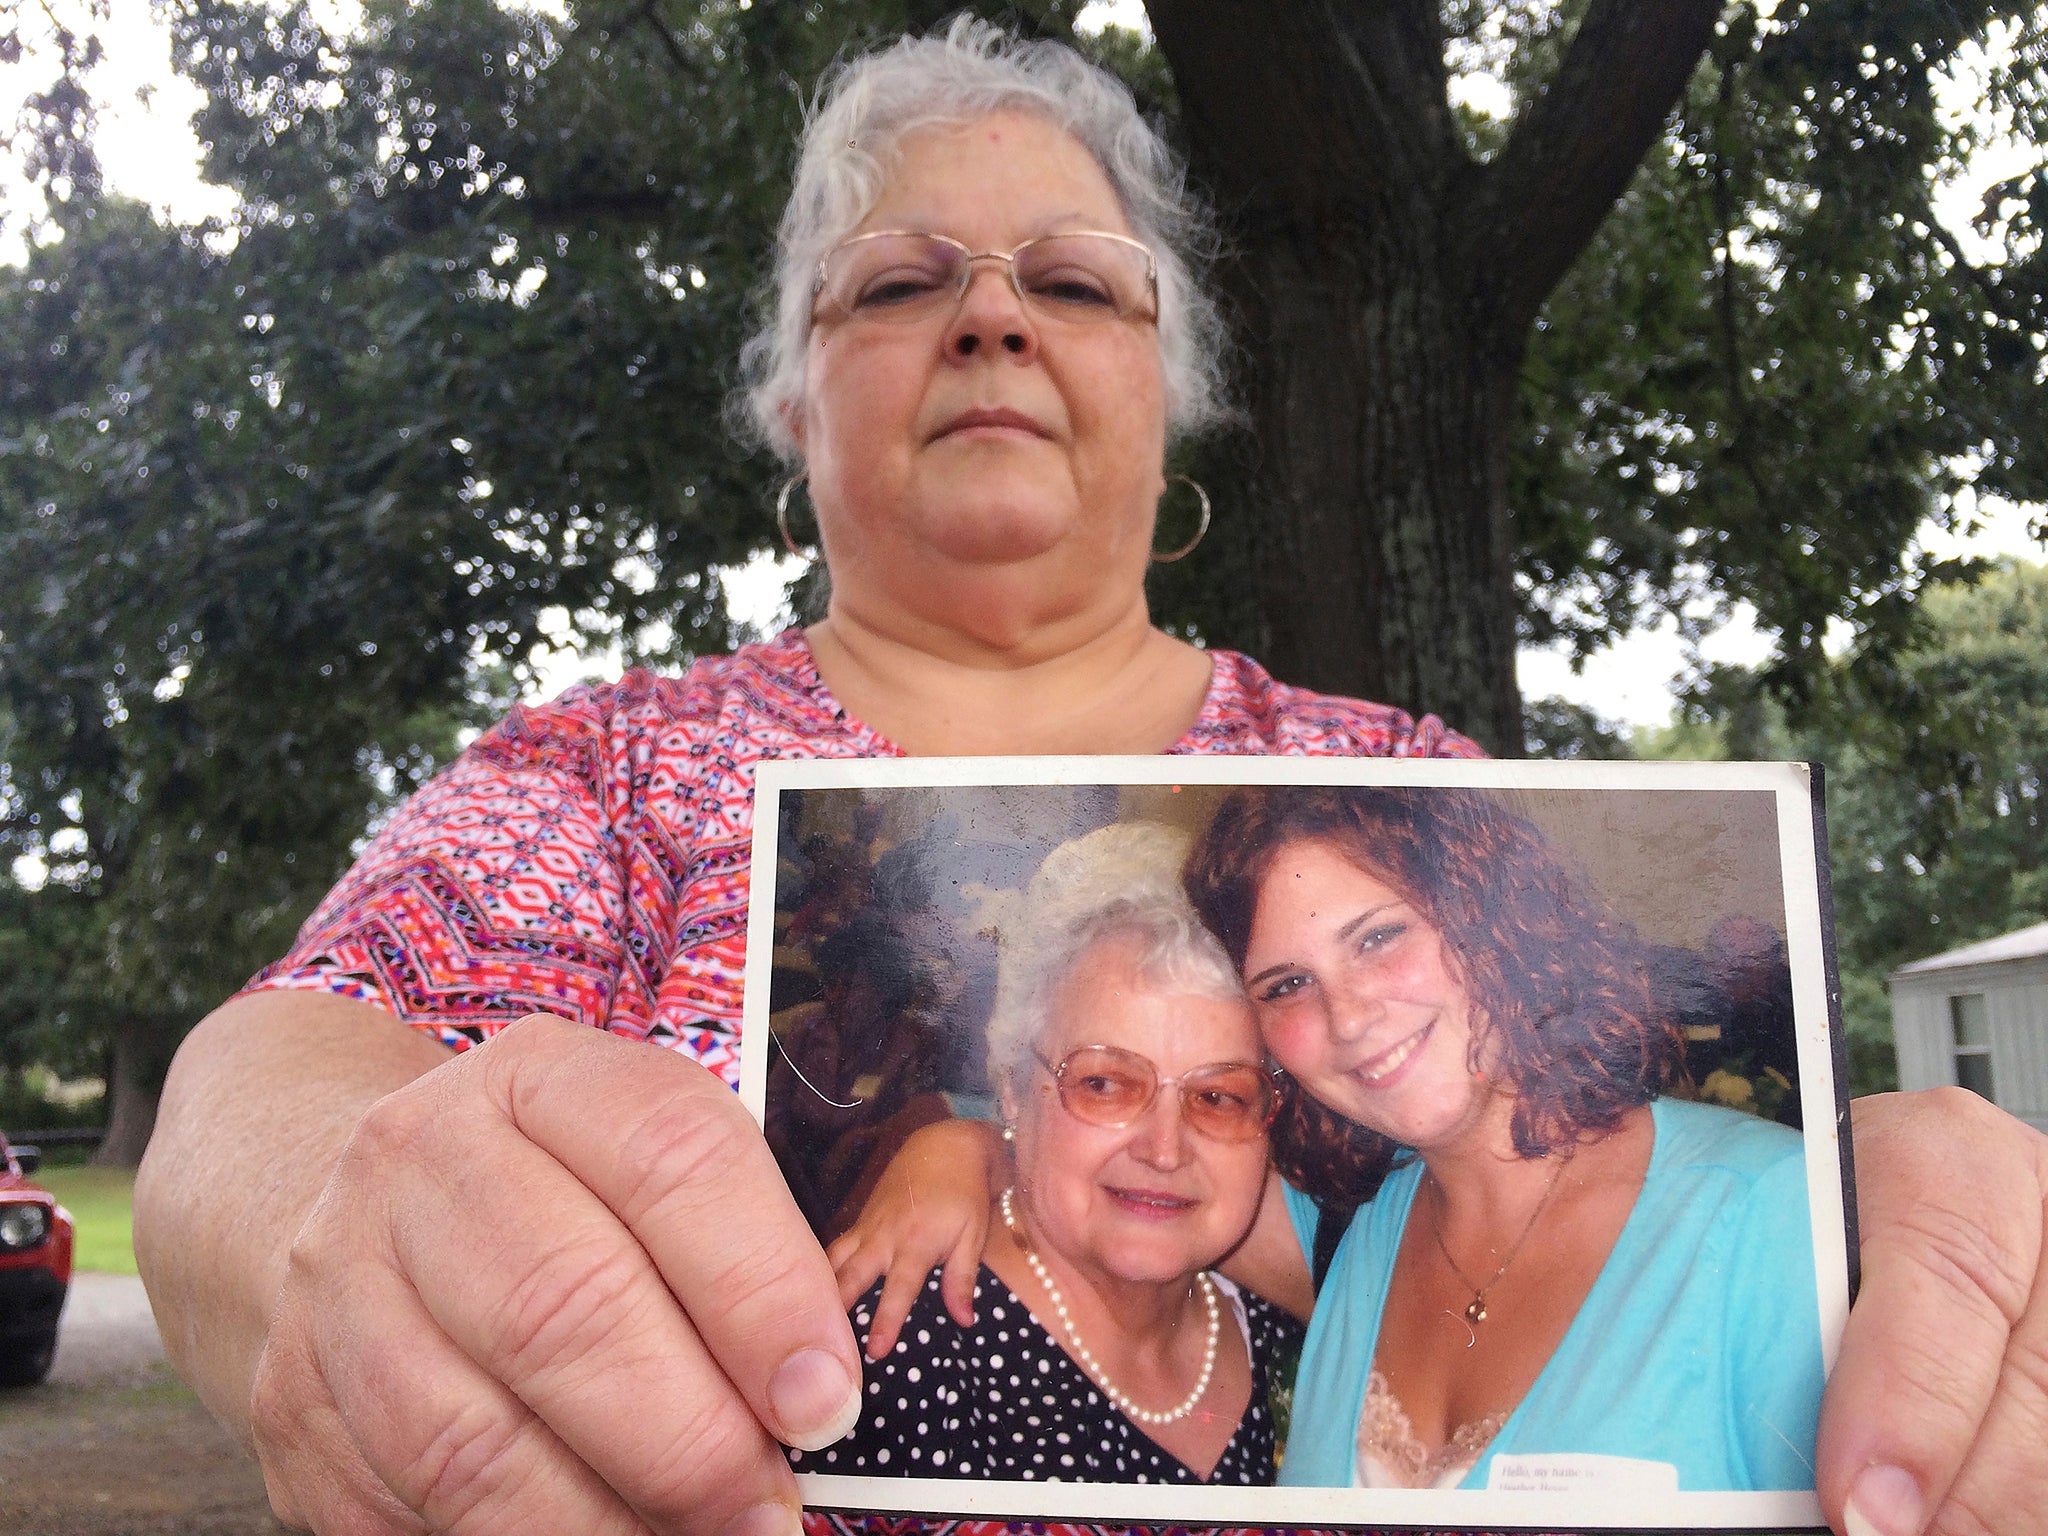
(1248, 712)
(500, 889)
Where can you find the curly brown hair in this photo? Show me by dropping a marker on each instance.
(1559, 989)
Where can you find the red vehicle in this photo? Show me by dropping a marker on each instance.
(35, 1269)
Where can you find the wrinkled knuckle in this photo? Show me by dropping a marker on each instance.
(462, 1464)
(1938, 1374)
(272, 1418)
(391, 1131)
(1940, 1132)
(1967, 1512)
(278, 1397)
(751, 1279)
(678, 1163)
(705, 1456)
(1961, 1106)
(521, 1054)
(1966, 1257)
(568, 1305)
(2025, 1388)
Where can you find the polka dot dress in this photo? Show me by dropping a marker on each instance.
(1002, 1400)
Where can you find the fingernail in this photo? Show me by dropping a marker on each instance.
(1883, 1501)
(813, 1401)
(770, 1519)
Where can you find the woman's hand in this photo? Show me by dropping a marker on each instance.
(1936, 1413)
(931, 1204)
(553, 1284)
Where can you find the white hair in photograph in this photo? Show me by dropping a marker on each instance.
(1121, 881)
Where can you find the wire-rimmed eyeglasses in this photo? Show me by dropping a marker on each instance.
(903, 276)
(1108, 1086)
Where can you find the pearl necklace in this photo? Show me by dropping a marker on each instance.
(1088, 1361)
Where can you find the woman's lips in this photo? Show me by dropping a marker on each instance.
(1378, 1071)
(996, 419)
(1152, 1204)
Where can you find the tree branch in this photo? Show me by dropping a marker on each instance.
(649, 12)
(1299, 110)
(1576, 146)
(1996, 299)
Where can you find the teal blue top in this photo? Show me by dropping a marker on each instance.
(1698, 1345)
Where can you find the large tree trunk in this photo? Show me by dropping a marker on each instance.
(1381, 412)
(139, 1057)
(1386, 283)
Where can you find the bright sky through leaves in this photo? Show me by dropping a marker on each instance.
(147, 150)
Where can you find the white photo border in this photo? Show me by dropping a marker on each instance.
(1822, 1085)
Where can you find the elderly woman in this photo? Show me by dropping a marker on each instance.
(556, 1283)
(1133, 1092)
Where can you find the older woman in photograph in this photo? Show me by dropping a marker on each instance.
(1569, 1261)
(556, 1283)
(1134, 1095)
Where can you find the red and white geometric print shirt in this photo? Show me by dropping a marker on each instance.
(589, 857)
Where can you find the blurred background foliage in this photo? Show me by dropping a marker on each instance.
(288, 499)
(1935, 761)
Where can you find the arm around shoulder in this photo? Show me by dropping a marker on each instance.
(1271, 1260)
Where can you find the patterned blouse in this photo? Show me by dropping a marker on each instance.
(589, 858)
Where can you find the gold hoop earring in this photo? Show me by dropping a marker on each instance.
(782, 516)
(1201, 531)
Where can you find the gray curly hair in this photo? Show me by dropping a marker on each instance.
(1122, 880)
(867, 105)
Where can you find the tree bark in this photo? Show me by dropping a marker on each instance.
(1385, 284)
(1383, 557)
(138, 1059)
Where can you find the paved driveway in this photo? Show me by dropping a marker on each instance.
(113, 1444)
(107, 1334)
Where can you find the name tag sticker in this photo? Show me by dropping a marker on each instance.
(1571, 1472)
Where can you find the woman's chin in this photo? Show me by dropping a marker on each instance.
(1132, 1260)
(999, 537)
(1171, 1272)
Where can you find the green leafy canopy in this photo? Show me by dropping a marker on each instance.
(285, 501)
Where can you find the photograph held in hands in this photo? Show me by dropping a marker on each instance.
(1311, 1143)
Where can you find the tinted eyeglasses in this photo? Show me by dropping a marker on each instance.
(901, 276)
(1108, 1086)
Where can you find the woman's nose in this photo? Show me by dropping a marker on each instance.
(1347, 1016)
(991, 320)
(1162, 1140)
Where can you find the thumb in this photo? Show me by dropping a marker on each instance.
(1937, 1407)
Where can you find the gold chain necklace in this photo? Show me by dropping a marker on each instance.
(1475, 1314)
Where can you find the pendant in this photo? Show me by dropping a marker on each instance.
(1476, 1313)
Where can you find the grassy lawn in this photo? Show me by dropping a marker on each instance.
(101, 1201)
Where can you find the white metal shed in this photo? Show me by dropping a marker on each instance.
(1978, 1016)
